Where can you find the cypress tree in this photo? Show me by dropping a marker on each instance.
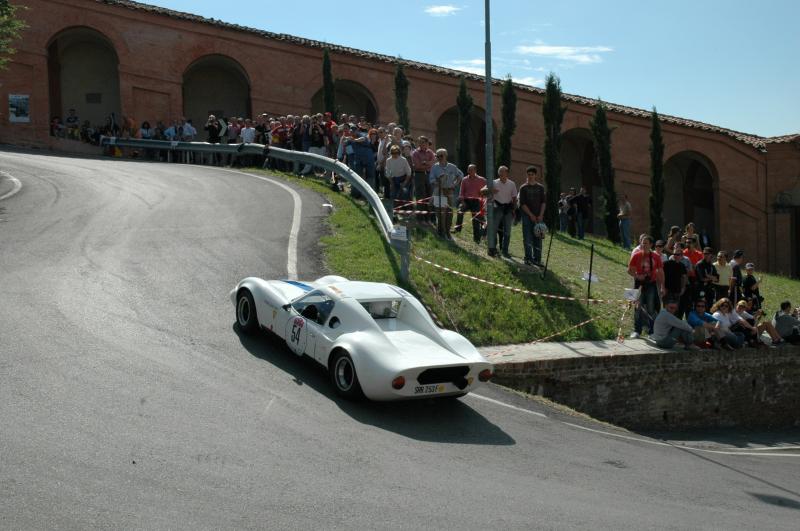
(328, 86)
(656, 177)
(553, 114)
(601, 135)
(401, 96)
(464, 105)
(10, 28)
(509, 97)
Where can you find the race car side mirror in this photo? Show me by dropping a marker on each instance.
(286, 307)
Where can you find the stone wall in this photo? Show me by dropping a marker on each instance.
(671, 389)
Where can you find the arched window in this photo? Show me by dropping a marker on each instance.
(351, 98)
(218, 85)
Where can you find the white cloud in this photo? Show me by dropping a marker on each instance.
(477, 70)
(575, 54)
(529, 80)
(442, 11)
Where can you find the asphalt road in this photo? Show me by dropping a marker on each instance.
(129, 400)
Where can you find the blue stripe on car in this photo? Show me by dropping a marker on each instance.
(304, 287)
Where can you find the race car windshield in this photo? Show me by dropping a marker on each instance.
(382, 309)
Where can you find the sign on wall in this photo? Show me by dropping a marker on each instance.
(19, 108)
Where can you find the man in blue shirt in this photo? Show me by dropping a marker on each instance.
(706, 327)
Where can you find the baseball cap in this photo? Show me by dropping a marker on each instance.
(738, 253)
(750, 265)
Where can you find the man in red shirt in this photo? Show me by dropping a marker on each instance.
(470, 199)
(422, 160)
(646, 268)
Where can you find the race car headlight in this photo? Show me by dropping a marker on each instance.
(485, 375)
(399, 382)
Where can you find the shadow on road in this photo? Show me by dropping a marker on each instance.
(431, 420)
(779, 501)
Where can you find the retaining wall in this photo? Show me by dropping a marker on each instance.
(670, 389)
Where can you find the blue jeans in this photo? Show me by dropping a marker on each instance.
(625, 232)
(399, 191)
(579, 221)
(365, 167)
(532, 244)
(649, 306)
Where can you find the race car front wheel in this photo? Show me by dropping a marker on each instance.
(246, 312)
(344, 377)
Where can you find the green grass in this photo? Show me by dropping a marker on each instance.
(354, 248)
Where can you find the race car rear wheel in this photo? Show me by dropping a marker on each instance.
(246, 312)
(344, 377)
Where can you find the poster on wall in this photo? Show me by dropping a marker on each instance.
(19, 108)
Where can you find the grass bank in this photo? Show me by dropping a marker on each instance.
(354, 248)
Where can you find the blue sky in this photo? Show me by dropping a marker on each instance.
(732, 63)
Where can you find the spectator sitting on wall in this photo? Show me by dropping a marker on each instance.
(706, 327)
(669, 330)
(787, 323)
(727, 317)
(744, 309)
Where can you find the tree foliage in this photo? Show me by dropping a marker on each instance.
(328, 85)
(656, 177)
(464, 105)
(509, 97)
(553, 113)
(401, 97)
(11, 27)
(601, 136)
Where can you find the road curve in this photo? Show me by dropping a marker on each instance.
(129, 400)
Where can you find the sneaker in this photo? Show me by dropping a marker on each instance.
(634, 335)
(493, 252)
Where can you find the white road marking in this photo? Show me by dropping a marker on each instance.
(17, 185)
(271, 400)
(493, 401)
(743, 451)
(291, 261)
(758, 452)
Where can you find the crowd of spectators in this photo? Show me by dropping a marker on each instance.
(709, 300)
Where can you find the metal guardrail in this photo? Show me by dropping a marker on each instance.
(397, 236)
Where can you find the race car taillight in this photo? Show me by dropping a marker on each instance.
(485, 375)
(399, 382)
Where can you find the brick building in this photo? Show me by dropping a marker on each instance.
(149, 63)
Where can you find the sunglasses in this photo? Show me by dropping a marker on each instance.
(439, 156)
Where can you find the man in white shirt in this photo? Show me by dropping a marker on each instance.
(444, 178)
(505, 197)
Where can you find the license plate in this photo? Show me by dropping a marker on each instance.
(429, 389)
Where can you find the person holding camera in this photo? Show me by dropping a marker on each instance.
(647, 270)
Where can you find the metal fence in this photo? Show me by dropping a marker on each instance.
(397, 236)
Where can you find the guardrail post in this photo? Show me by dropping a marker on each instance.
(402, 243)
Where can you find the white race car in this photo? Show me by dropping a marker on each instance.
(376, 340)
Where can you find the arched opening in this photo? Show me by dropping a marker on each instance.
(447, 136)
(689, 179)
(218, 85)
(351, 98)
(83, 75)
(578, 168)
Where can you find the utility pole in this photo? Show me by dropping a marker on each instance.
(489, 131)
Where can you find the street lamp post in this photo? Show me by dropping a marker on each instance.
(488, 118)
